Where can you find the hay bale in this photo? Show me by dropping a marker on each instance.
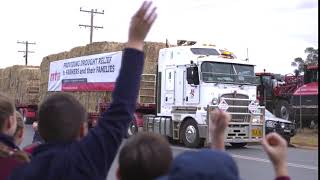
(1, 77)
(90, 100)
(21, 83)
(1, 72)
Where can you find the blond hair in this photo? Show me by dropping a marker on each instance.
(20, 123)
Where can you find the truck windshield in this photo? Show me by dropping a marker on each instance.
(227, 73)
(311, 76)
(205, 51)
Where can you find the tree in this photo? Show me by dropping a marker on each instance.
(312, 59)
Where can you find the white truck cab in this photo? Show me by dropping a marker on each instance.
(194, 80)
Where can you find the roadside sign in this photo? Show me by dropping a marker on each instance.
(223, 106)
(253, 107)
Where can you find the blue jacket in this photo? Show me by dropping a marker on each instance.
(37, 137)
(91, 157)
(205, 164)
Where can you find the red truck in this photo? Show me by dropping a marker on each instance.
(305, 98)
(275, 92)
(145, 105)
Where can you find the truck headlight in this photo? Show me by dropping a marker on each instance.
(256, 120)
(271, 124)
(214, 101)
(282, 125)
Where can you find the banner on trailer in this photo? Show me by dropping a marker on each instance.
(87, 73)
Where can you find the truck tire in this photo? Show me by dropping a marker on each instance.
(282, 109)
(238, 145)
(190, 134)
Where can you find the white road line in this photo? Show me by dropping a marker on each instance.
(268, 161)
(184, 148)
(255, 159)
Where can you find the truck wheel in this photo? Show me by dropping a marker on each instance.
(282, 109)
(238, 145)
(190, 134)
(133, 128)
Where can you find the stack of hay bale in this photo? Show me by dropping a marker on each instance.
(91, 99)
(22, 83)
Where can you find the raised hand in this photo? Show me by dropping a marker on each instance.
(219, 123)
(276, 148)
(35, 126)
(140, 25)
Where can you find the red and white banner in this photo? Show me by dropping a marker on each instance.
(87, 73)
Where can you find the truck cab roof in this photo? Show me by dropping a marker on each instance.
(183, 55)
(223, 60)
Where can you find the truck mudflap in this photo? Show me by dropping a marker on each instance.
(203, 130)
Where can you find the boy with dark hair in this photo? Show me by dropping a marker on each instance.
(8, 122)
(62, 119)
(145, 156)
(10, 155)
(64, 156)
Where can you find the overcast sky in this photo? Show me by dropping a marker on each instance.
(274, 31)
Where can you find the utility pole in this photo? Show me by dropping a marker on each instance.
(27, 49)
(91, 26)
(247, 54)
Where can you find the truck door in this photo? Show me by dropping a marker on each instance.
(191, 92)
(179, 87)
(169, 86)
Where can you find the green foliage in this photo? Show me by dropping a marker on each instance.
(312, 59)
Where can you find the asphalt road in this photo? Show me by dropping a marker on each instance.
(253, 163)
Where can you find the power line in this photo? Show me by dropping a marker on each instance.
(91, 26)
(26, 51)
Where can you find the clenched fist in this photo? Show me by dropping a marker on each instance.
(276, 148)
(218, 123)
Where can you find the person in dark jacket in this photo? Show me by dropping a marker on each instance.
(10, 155)
(36, 136)
(65, 155)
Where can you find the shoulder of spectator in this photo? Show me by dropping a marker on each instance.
(283, 178)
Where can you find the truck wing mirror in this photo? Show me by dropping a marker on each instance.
(193, 75)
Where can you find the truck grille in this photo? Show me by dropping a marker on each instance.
(238, 117)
